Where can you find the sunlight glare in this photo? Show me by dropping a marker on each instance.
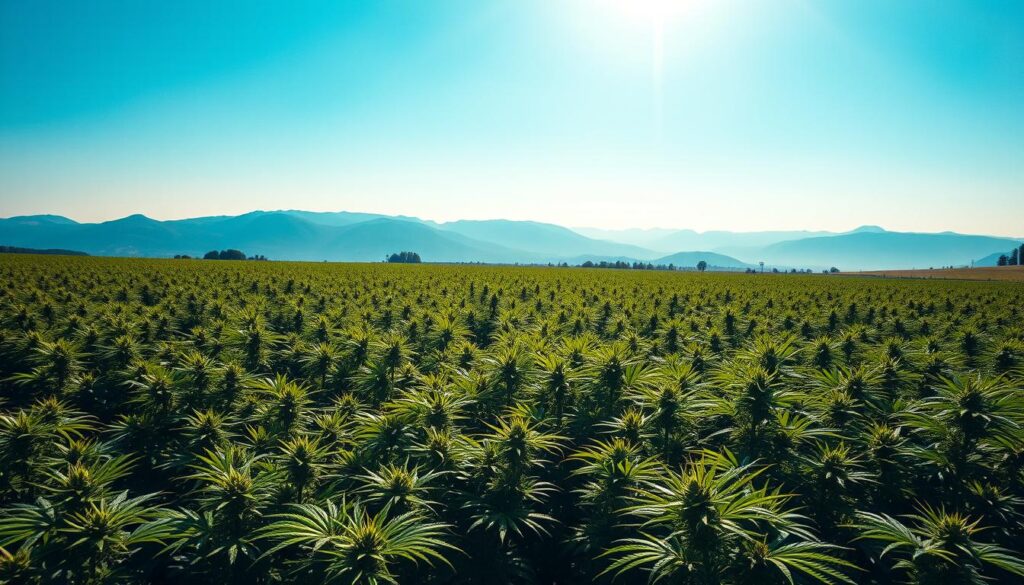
(656, 18)
(649, 12)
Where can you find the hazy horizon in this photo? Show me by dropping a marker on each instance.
(666, 228)
(610, 114)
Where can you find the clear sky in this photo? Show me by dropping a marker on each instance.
(704, 114)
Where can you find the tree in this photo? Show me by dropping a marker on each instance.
(1014, 258)
(404, 258)
(232, 254)
(1003, 260)
(833, 270)
(229, 254)
(702, 266)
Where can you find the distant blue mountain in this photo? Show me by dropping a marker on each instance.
(993, 258)
(714, 260)
(885, 250)
(645, 238)
(341, 218)
(298, 235)
(542, 239)
(990, 260)
(349, 236)
(281, 236)
(41, 219)
(726, 242)
(868, 229)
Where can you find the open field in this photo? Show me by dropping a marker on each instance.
(1009, 273)
(268, 422)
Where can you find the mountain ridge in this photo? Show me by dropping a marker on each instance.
(875, 250)
(356, 236)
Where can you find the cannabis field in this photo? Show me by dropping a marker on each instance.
(167, 421)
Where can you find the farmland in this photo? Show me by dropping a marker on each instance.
(263, 422)
(1010, 273)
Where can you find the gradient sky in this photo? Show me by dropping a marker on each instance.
(704, 114)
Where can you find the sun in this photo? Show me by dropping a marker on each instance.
(648, 12)
(655, 18)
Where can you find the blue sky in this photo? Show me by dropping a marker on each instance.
(704, 114)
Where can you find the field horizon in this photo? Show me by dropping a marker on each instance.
(998, 273)
(369, 237)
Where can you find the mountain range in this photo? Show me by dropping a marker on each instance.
(367, 237)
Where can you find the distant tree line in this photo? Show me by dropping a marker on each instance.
(405, 258)
(55, 251)
(622, 265)
(700, 266)
(831, 270)
(1014, 258)
(229, 254)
